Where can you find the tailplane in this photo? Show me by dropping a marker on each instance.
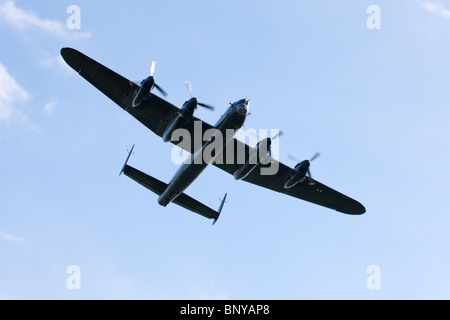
(159, 187)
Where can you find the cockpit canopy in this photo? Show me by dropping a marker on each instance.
(242, 101)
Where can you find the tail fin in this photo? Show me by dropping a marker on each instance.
(220, 208)
(126, 162)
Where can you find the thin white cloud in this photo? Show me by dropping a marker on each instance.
(56, 61)
(435, 8)
(10, 238)
(49, 107)
(11, 93)
(24, 21)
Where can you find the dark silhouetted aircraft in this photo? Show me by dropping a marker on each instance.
(242, 161)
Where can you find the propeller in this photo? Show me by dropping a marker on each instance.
(204, 105)
(314, 157)
(149, 83)
(152, 72)
(276, 136)
(164, 93)
(293, 158)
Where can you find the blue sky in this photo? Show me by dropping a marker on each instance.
(374, 102)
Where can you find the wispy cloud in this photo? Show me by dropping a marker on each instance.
(11, 93)
(49, 107)
(25, 20)
(55, 61)
(10, 238)
(435, 8)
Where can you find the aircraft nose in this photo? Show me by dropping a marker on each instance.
(242, 110)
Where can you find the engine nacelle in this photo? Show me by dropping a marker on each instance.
(254, 160)
(143, 93)
(298, 174)
(184, 115)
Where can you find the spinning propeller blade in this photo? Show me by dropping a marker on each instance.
(152, 70)
(293, 158)
(164, 93)
(315, 156)
(206, 106)
(276, 136)
(188, 86)
(149, 83)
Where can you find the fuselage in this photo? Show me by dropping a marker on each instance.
(234, 118)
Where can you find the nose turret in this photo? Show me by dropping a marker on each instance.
(243, 107)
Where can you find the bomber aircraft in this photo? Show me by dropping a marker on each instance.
(165, 120)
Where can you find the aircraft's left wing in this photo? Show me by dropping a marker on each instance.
(310, 190)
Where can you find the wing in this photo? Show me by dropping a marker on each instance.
(155, 113)
(311, 191)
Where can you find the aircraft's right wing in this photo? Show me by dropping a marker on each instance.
(155, 113)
